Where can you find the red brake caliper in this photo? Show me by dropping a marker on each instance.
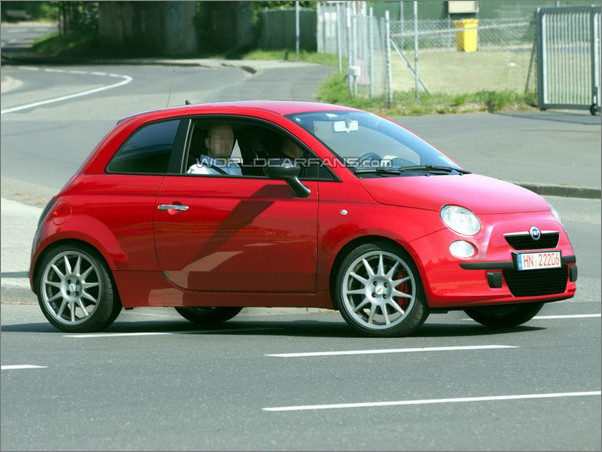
(403, 287)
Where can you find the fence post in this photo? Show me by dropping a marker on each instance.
(297, 32)
(349, 54)
(371, 50)
(541, 60)
(388, 60)
(416, 77)
(355, 44)
(533, 51)
(401, 19)
(593, 60)
(339, 49)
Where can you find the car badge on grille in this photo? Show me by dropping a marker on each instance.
(535, 233)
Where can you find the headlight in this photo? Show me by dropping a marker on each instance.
(460, 220)
(555, 212)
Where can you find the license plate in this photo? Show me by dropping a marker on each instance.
(534, 261)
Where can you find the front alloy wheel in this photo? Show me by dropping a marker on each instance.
(75, 290)
(379, 291)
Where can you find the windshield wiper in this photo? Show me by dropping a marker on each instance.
(432, 169)
(376, 170)
(409, 169)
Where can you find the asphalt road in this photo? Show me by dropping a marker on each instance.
(21, 35)
(154, 382)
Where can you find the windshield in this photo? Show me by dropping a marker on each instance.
(368, 144)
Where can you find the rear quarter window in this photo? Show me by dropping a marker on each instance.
(147, 150)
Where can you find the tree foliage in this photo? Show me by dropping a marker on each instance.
(75, 17)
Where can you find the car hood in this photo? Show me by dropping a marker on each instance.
(481, 194)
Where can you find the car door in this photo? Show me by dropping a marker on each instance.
(236, 234)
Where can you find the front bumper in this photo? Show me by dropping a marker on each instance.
(491, 276)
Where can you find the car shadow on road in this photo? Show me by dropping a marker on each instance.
(295, 328)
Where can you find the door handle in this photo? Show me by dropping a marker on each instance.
(179, 207)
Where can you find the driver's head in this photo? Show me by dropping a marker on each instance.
(220, 141)
(291, 150)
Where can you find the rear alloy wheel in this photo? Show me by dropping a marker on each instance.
(379, 292)
(208, 316)
(504, 316)
(75, 290)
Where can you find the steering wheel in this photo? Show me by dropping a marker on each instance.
(366, 157)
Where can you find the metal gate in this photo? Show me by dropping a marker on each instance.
(568, 49)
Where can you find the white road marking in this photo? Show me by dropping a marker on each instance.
(392, 350)
(22, 366)
(229, 330)
(90, 336)
(433, 401)
(554, 317)
(126, 79)
(571, 316)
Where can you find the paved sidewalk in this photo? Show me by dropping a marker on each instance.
(19, 222)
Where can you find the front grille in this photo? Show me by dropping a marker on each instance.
(524, 241)
(530, 283)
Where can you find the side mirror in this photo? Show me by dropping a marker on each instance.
(285, 170)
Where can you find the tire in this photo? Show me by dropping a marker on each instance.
(208, 316)
(76, 291)
(379, 291)
(593, 109)
(504, 316)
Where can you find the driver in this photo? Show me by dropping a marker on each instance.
(219, 142)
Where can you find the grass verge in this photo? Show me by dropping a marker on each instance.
(73, 44)
(326, 59)
(334, 90)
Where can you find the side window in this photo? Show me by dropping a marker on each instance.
(232, 146)
(147, 150)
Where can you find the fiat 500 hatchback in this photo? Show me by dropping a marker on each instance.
(211, 208)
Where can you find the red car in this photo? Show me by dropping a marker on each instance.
(206, 208)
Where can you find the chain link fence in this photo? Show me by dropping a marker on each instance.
(351, 31)
(442, 34)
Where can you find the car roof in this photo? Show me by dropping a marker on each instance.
(282, 107)
(274, 106)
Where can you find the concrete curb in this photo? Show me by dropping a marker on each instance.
(562, 191)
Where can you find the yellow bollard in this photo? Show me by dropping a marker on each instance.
(466, 39)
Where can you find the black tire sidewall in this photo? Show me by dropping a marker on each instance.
(419, 311)
(518, 315)
(217, 315)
